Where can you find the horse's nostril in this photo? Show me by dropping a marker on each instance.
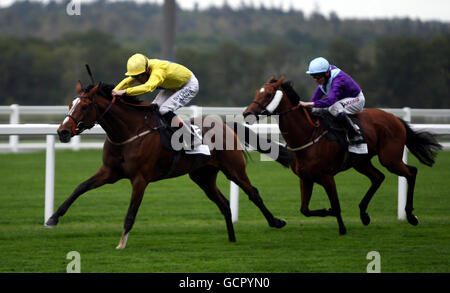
(247, 114)
(250, 117)
(64, 135)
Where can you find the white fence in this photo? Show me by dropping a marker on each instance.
(15, 113)
(49, 130)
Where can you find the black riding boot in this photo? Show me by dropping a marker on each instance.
(168, 120)
(353, 131)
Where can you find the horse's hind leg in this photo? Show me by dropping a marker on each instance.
(330, 187)
(376, 177)
(102, 176)
(410, 196)
(139, 185)
(206, 179)
(398, 167)
(238, 175)
(409, 172)
(306, 189)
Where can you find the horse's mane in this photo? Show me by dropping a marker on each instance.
(105, 89)
(290, 92)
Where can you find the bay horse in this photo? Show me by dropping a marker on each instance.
(318, 160)
(133, 149)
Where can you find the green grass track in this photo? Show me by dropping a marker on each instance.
(178, 229)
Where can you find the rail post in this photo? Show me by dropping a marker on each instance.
(402, 184)
(234, 201)
(196, 111)
(14, 119)
(75, 143)
(49, 177)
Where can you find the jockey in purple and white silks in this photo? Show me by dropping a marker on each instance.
(336, 93)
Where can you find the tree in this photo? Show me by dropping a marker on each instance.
(344, 55)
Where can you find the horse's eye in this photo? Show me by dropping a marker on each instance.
(84, 107)
(267, 96)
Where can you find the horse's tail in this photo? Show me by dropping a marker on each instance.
(422, 144)
(274, 150)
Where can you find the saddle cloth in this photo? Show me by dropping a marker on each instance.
(166, 133)
(338, 132)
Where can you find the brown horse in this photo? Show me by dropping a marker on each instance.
(134, 150)
(318, 160)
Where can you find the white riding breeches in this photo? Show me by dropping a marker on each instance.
(351, 105)
(171, 100)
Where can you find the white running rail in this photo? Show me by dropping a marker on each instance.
(14, 129)
(49, 130)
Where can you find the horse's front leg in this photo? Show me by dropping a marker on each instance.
(330, 187)
(139, 185)
(102, 176)
(306, 188)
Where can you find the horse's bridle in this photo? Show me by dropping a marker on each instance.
(264, 109)
(268, 113)
(78, 126)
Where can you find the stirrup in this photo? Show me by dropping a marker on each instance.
(197, 146)
(202, 149)
(195, 138)
(356, 139)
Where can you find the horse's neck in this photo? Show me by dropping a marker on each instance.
(120, 122)
(294, 126)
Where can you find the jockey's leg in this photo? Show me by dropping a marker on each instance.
(346, 106)
(174, 100)
(192, 137)
(353, 129)
(190, 133)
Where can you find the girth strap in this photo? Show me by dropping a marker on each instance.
(130, 139)
(308, 144)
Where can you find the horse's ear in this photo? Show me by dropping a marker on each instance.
(280, 81)
(94, 89)
(79, 87)
(272, 78)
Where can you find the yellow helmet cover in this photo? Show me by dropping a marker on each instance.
(136, 64)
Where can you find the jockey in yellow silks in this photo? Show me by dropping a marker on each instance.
(177, 85)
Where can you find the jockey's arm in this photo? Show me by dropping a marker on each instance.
(330, 99)
(317, 96)
(306, 104)
(156, 79)
(125, 83)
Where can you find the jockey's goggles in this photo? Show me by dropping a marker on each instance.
(318, 76)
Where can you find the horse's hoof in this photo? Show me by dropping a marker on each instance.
(365, 219)
(232, 239)
(51, 222)
(412, 219)
(342, 231)
(279, 223)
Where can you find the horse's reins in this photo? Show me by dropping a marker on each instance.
(315, 124)
(77, 124)
(130, 139)
(139, 135)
